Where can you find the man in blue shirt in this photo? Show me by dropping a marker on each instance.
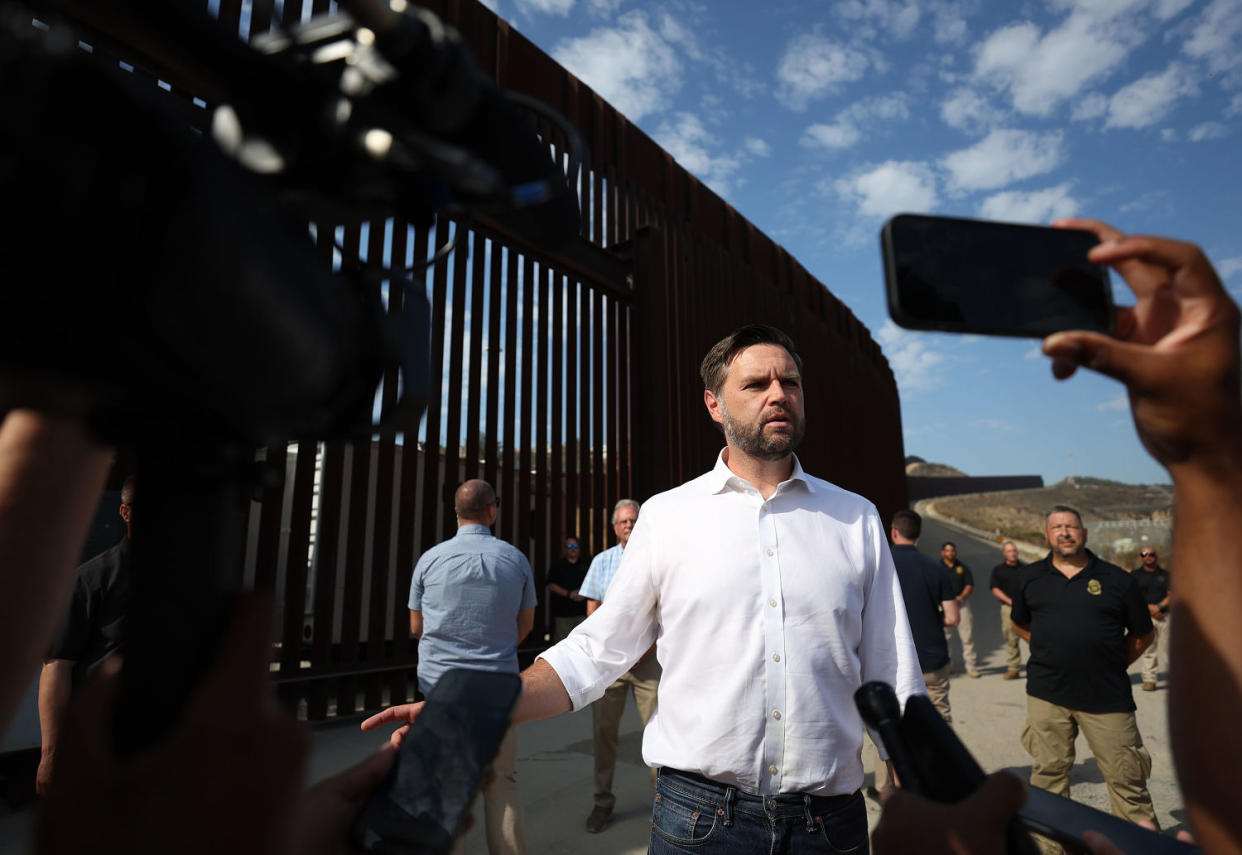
(643, 679)
(472, 601)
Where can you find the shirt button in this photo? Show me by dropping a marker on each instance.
(776, 657)
(772, 770)
(772, 603)
(764, 506)
(770, 553)
(776, 714)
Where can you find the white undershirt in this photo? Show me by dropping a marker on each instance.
(769, 614)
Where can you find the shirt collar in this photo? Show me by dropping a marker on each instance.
(473, 528)
(722, 476)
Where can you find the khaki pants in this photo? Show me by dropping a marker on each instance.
(1013, 653)
(966, 632)
(1114, 740)
(502, 809)
(643, 680)
(1152, 655)
(563, 626)
(938, 693)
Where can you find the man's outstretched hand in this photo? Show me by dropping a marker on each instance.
(1176, 349)
(401, 714)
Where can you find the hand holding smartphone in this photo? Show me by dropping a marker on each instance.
(420, 807)
(973, 276)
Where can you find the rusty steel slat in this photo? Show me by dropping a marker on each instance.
(355, 548)
(404, 647)
(474, 385)
(269, 523)
(539, 550)
(491, 450)
(599, 418)
(625, 484)
(432, 494)
(261, 14)
(561, 524)
(292, 13)
(229, 14)
(508, 522)
(296, 558)
(522, 508)
(456, 350)
(327, 547)
(573, 403)
(320, 7)
(385, 476)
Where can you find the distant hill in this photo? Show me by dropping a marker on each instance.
(922, 469)
(1020, 514)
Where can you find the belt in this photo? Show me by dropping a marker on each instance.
(733, 797)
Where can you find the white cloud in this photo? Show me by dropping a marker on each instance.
(967, 110)
(678, 34)
(1150, 98)
(1035, 352)
(629, 65)
(897, 19)
(1040, 206)
(910, 356)
(890, 188)
(685, 138)
(757, 147)
(1089, 107)
(1003, 157)
(846, 130)
(948, 25)
(1168, 134)
(1235, 106)
(1207, 131)
(1217, 39)
(1166, 9)
(604, 8)
(814, 66)
(547, 7)
(1040, 70)
(1227, 267)
(842, 134)
(1121, 402)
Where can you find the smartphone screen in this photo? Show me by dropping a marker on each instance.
(419, 808)
(975, 276)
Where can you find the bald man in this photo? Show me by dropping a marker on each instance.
(472, 601)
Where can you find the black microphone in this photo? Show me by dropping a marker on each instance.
(880, 711)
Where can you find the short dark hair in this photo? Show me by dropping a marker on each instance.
(473, 498)
(908, 524)
(948, 543)
(1063, 509)
(716, 364)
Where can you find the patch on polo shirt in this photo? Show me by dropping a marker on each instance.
(1093, 587)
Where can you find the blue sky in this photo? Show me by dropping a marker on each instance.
(817, 120)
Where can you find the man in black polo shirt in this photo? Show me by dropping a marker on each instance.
(963, 586)
(1004, 577)
(1086, 621)
(93, 629)
(1153, 581)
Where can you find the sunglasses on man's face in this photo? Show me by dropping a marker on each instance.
(571, 546)
(1147, 555)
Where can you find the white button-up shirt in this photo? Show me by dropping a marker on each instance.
(768, 614)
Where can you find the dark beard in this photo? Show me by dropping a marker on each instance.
(751, 441)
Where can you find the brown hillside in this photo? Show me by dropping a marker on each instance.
(933, 470)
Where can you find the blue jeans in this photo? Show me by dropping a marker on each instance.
(695, 815)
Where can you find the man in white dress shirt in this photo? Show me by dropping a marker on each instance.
(772, 597)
